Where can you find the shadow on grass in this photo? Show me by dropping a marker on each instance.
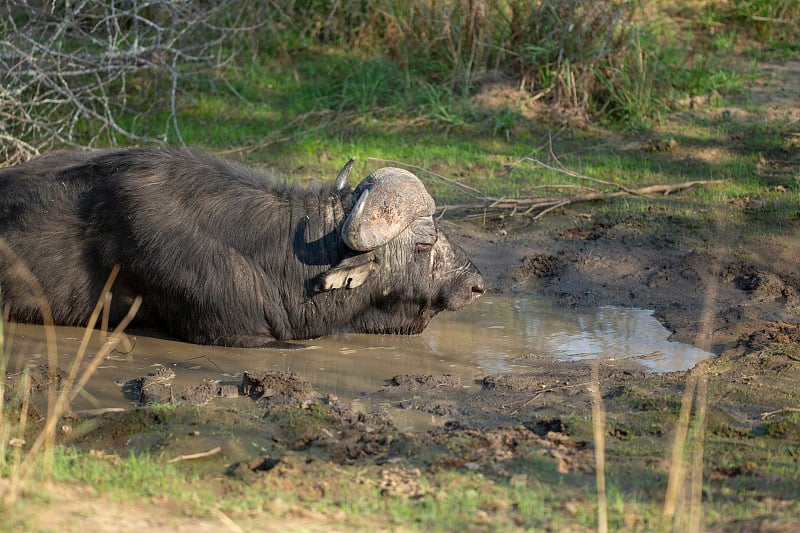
(305, 117)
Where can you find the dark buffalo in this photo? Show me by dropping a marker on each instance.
(222, 254)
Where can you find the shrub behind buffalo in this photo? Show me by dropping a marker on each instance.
(225, 255)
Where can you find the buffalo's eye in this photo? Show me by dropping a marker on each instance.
(424, 247)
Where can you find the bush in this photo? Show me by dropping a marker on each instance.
(68, 70)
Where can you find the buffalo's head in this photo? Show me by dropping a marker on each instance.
(401, 260)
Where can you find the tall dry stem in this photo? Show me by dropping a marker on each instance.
(683, 505)
(22, 273)
(677, 470)
(4, 426)
(71, 386)
(598, 431)
(59, 394)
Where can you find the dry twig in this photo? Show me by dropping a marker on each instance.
(200, 455)
(70, 70)
(771, 414)
(539, 206)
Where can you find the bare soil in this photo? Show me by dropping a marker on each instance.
(718, 285)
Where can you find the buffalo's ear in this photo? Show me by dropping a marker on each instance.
(349, 273)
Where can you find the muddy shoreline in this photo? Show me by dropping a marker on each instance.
(277, 429)
(712, 281)
(732, 307)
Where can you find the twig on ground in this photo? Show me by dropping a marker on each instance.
(200, 455)
(771, 414)
(81, 413)
(540, 206)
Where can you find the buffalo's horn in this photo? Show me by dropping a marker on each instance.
(388, 200)
(344, 175)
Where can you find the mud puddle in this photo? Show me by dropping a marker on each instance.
(497, 335)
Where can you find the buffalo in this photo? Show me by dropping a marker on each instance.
(223, 254)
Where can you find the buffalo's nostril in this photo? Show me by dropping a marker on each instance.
(478, 290)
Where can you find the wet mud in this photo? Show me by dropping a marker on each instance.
(422, 413)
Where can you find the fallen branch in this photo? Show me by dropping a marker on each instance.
(85, 413)
(209, 453)
(544, 205)
(540, 206)
(771, 414)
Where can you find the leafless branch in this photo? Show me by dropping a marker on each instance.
(90, 72)
(539, 206)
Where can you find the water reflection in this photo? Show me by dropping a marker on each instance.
(494, 335)
(499, 330)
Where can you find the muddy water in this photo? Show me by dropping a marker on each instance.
(494, 335)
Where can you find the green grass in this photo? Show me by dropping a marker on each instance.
(303, 114)
(310, 75)
(449, 499)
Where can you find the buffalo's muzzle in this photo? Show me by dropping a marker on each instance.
(478, 288)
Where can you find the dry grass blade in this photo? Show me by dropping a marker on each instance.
(564, 170)
(21, 273)
(598, 431)
(4, 427)
(696, 493)
(696, 393)
(677, 470)
(101, 306)
(701, 404)
(58, 401)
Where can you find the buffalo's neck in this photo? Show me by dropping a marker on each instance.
(314, 247)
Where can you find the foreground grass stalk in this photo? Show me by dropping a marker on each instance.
(4, 426)
(701, 404)
(677, 469)
(696, 393)
(25, 387)
(598, 430)
(696, 501)
(69, 392)
(100, 306)
(22, 270)
(60, 395)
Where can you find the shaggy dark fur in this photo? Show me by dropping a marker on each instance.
(220, 253)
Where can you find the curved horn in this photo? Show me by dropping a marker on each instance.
(344, 175)
(388, 200)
